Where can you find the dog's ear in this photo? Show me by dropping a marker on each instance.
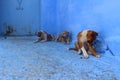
(95, 33)
(39, 34)
(91, 36)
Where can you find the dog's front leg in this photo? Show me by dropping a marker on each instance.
(82, 48)
(44, 38)
(38, 40)
(92, 50)
(84, 52)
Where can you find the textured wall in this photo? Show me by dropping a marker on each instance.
(55, 16)
(48, 16)
(0, 18)
(97, 15)
(24, 22)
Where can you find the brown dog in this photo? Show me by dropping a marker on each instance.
(84, 43)
(63, 37)
(44, 36)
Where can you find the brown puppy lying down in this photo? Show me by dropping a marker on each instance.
(84, 43)
(64, 37)
(44, 36)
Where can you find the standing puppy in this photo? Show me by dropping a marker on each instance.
(84, 43)
(63, 37)
(44, 36)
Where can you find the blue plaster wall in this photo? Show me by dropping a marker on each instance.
(0, 18)
(24, 22)
(99, 15)
(55, 16)
(48, 16)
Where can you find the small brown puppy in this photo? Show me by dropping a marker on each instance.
(63, 37)
(84, 43)
(44, 36)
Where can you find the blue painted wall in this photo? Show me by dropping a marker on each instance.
(24, 22)
(48, 16)
(0, 17)
(100, 15)
(55, 16)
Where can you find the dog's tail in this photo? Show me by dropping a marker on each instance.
(73, 49)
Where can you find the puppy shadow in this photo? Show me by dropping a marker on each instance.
(100, 46)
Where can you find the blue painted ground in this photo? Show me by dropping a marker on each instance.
(21, 59)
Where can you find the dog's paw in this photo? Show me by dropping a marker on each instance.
(86, 56)
(34, 41)
(68, 48)
(79, 51)
(97, 56)
(68, 42)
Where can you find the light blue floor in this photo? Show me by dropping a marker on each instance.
(21, 59)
